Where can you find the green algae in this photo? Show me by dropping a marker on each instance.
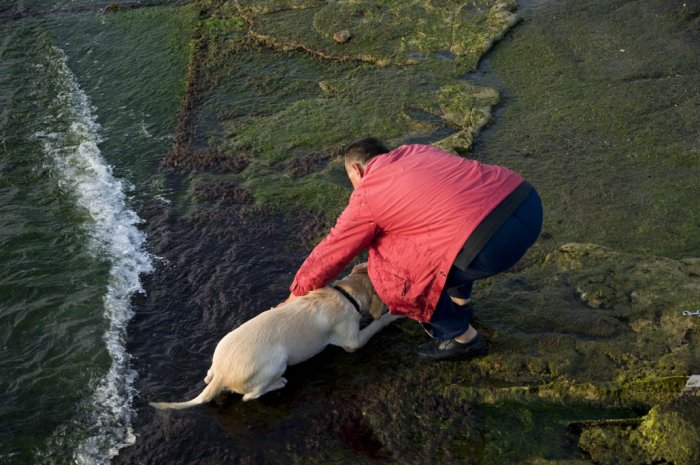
(560, 366)
(389, 32)
(604, 120)
(520, 431)
(667, 434)
(556, 358)
(313, 192)
(618, 317)
(467, 108)
(583, 331)
(274, 99)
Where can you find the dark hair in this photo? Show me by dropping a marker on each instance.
(361, 151)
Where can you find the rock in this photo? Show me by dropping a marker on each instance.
(117, 7)
(113, 8)
(343, 36)
(667, 434)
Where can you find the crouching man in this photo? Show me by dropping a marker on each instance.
(433, 223)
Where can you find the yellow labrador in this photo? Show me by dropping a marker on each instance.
(251, 359)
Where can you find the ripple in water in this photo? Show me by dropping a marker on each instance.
(71, 145)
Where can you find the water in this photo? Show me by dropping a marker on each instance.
(86, 110)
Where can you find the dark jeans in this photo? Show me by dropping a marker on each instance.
(505, 248)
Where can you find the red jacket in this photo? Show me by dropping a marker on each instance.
(414, 210)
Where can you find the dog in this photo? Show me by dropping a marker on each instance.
(251, 360)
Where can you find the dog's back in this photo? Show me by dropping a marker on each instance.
(261, 349)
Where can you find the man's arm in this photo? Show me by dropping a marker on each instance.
(353, 231)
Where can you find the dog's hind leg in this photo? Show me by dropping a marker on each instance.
(268, 378)
(210, 375)
(279, 384)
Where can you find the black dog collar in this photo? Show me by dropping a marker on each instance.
(347, 296)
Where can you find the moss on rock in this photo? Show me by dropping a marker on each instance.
(602, 115)
(464, 106)
(555, 361)
(608, 316)
(281, 104)
(581, 332)
(392, 32)
(667, 434)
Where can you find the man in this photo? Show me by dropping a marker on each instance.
(433, 223)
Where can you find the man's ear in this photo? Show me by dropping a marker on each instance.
(359, 169)
(376, 306)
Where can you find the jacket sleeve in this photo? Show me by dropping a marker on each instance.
(353, 231)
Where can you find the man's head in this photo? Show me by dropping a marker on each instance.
(358, 154)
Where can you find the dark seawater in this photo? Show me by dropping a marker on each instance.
(87, 106)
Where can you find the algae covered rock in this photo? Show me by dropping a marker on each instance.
(390, 32)
(667, 434)
(590, 313)
(421, 427)
(670, 432)
(463, 106)
(277, 82)
(342, 36)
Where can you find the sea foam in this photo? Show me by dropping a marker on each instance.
(73, 155)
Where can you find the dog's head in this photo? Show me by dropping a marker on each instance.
(361, 288)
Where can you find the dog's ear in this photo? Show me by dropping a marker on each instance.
(360, 268)
(376, 306)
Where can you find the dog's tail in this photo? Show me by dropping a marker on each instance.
(205, 396)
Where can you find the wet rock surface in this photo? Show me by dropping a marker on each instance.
(580, 333)
(384, 33)
(342, 36)
(667, 434)
(599, 110)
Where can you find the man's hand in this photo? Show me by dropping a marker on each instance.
(360, 268)
(289, 299)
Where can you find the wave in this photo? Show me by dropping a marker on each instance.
(71, 147)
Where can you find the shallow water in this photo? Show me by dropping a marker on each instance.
(79, 141)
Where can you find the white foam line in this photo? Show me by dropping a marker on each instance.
(82, 170)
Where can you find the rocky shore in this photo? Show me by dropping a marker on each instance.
(589, 347)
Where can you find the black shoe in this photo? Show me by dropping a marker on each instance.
(450, 349)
